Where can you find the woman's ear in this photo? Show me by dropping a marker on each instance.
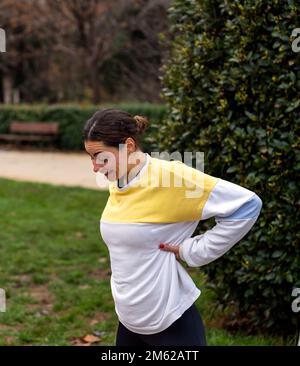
(131, 145)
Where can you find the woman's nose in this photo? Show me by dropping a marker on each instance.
(96, 166)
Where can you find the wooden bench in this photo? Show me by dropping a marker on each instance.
(31, 131)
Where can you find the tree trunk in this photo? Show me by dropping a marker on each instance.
(7, 85)
(96, 89)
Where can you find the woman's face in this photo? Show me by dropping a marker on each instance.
(108, 160)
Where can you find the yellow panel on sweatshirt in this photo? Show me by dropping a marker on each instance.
(165, 192)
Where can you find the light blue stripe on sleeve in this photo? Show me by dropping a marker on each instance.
(248, 210)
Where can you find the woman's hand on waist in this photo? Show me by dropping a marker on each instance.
(170, 248)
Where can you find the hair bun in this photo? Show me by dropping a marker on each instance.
(142, 124)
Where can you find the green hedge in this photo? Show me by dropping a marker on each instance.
(232, 87)
(71, 119)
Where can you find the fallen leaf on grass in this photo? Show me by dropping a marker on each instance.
(85, 341)
(94, 321)
(91, 339)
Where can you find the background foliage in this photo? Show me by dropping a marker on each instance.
(232, 88)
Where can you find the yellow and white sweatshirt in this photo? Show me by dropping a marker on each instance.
(164, 204)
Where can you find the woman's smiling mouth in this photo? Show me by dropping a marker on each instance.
(107, 173)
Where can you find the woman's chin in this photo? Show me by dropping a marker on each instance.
(111, 177)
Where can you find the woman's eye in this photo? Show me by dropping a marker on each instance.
(101, 160)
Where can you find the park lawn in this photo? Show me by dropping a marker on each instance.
(55, 270)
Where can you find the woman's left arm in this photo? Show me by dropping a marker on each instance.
(235, 210)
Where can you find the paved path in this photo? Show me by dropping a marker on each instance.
(69, 169)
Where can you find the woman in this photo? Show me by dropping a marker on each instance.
(148, 226)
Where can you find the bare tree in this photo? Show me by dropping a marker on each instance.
(23, 31)
(88, 33)
(83, 49)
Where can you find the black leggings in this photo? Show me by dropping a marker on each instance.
(188, 330)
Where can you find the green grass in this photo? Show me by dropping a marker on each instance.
(55, 270)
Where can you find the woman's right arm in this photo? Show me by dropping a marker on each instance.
(235, 210)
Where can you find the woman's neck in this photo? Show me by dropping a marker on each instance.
(132, 170)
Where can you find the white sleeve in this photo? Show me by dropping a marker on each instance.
(235, 210)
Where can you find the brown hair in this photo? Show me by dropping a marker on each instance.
(113, 127)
